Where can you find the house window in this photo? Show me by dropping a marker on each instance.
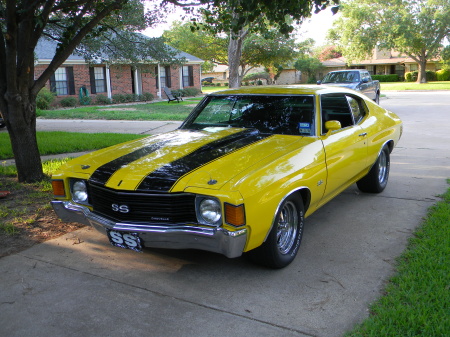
(62, 82)
(413, 67)
(164, 75)
(188, 76)
(97, 79)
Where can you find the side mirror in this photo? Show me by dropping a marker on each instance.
(319, 82)
(332, 126)
(365, 80)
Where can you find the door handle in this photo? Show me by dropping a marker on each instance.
(363, 134)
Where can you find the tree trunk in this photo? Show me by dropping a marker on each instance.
(422, 75)
(20, 119)
(234, 58)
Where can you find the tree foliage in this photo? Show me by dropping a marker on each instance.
(88, 25)
(198, 42)
(416, 28)
(309, 65)
(328, 53)
(268, 50)
(239, 18)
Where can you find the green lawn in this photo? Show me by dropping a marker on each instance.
(417, 298)
(147, 111)
(441, 85)
(56, 142)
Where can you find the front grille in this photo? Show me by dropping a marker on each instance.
(167, 208)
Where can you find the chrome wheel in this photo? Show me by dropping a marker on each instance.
(377, 178)
(285, 236)
(287, 227)
(382, 167)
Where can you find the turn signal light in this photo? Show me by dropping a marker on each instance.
(58, 188)
(234, 215)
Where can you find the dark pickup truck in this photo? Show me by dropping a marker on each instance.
(356, 79)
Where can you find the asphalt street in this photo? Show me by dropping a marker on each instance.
(79, 285)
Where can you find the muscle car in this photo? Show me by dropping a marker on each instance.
(240, 175)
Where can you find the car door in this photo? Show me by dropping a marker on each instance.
(346, 148)
(367, 85)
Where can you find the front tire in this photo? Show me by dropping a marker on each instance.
(377, 178)
(284, 239)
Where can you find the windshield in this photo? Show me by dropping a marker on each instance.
(342, 77)
(287, 115)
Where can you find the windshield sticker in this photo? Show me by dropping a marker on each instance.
(304, 128)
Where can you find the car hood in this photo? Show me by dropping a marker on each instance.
(342, 85)
(176, 160)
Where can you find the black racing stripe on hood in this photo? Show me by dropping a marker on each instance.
(164, 178)
(104, 172)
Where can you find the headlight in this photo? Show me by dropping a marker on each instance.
(79, 191)
(209, 211)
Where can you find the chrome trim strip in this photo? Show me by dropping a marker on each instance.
(213, 239)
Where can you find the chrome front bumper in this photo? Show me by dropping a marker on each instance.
(217, 239)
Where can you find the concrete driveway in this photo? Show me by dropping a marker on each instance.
(79, 285)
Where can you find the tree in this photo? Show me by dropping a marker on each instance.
(416, 28)
(268, 50)
(198, 42)
(309, 65)
(68, 23)
(328, 53)
(239, 18)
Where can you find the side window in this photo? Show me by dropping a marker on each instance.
(357, 108)
(336, 107)
(366, 76)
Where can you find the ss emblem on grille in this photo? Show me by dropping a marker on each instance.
(120, 208)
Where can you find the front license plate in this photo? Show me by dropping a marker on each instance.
(125, 240)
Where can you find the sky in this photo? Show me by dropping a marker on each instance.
(315, 27)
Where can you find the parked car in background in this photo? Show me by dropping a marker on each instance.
(208, 79)
(240, 175)
(356, 79)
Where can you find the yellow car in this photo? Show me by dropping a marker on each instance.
(239, 175)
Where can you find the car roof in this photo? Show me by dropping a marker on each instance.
(347, 70)
(285, 90)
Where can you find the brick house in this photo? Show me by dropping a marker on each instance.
(383, 62)
(107, 80)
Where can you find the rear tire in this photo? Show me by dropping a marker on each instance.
(377, 98)
(377, 178)
(283, 242)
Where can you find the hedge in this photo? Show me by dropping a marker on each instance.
(386, 78)
(412, 76)
(443, 75)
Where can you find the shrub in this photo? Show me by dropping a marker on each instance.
(102, 99)
(191, 92)
(411, 76)
(118, 98)
(386, 78)
(226, 84)
(130, 98)
(260, 82)
(443, 75)
(430, 75)
(44, 98)
(68, 102)
(146, 96)
(85, 100)
(178, 92)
